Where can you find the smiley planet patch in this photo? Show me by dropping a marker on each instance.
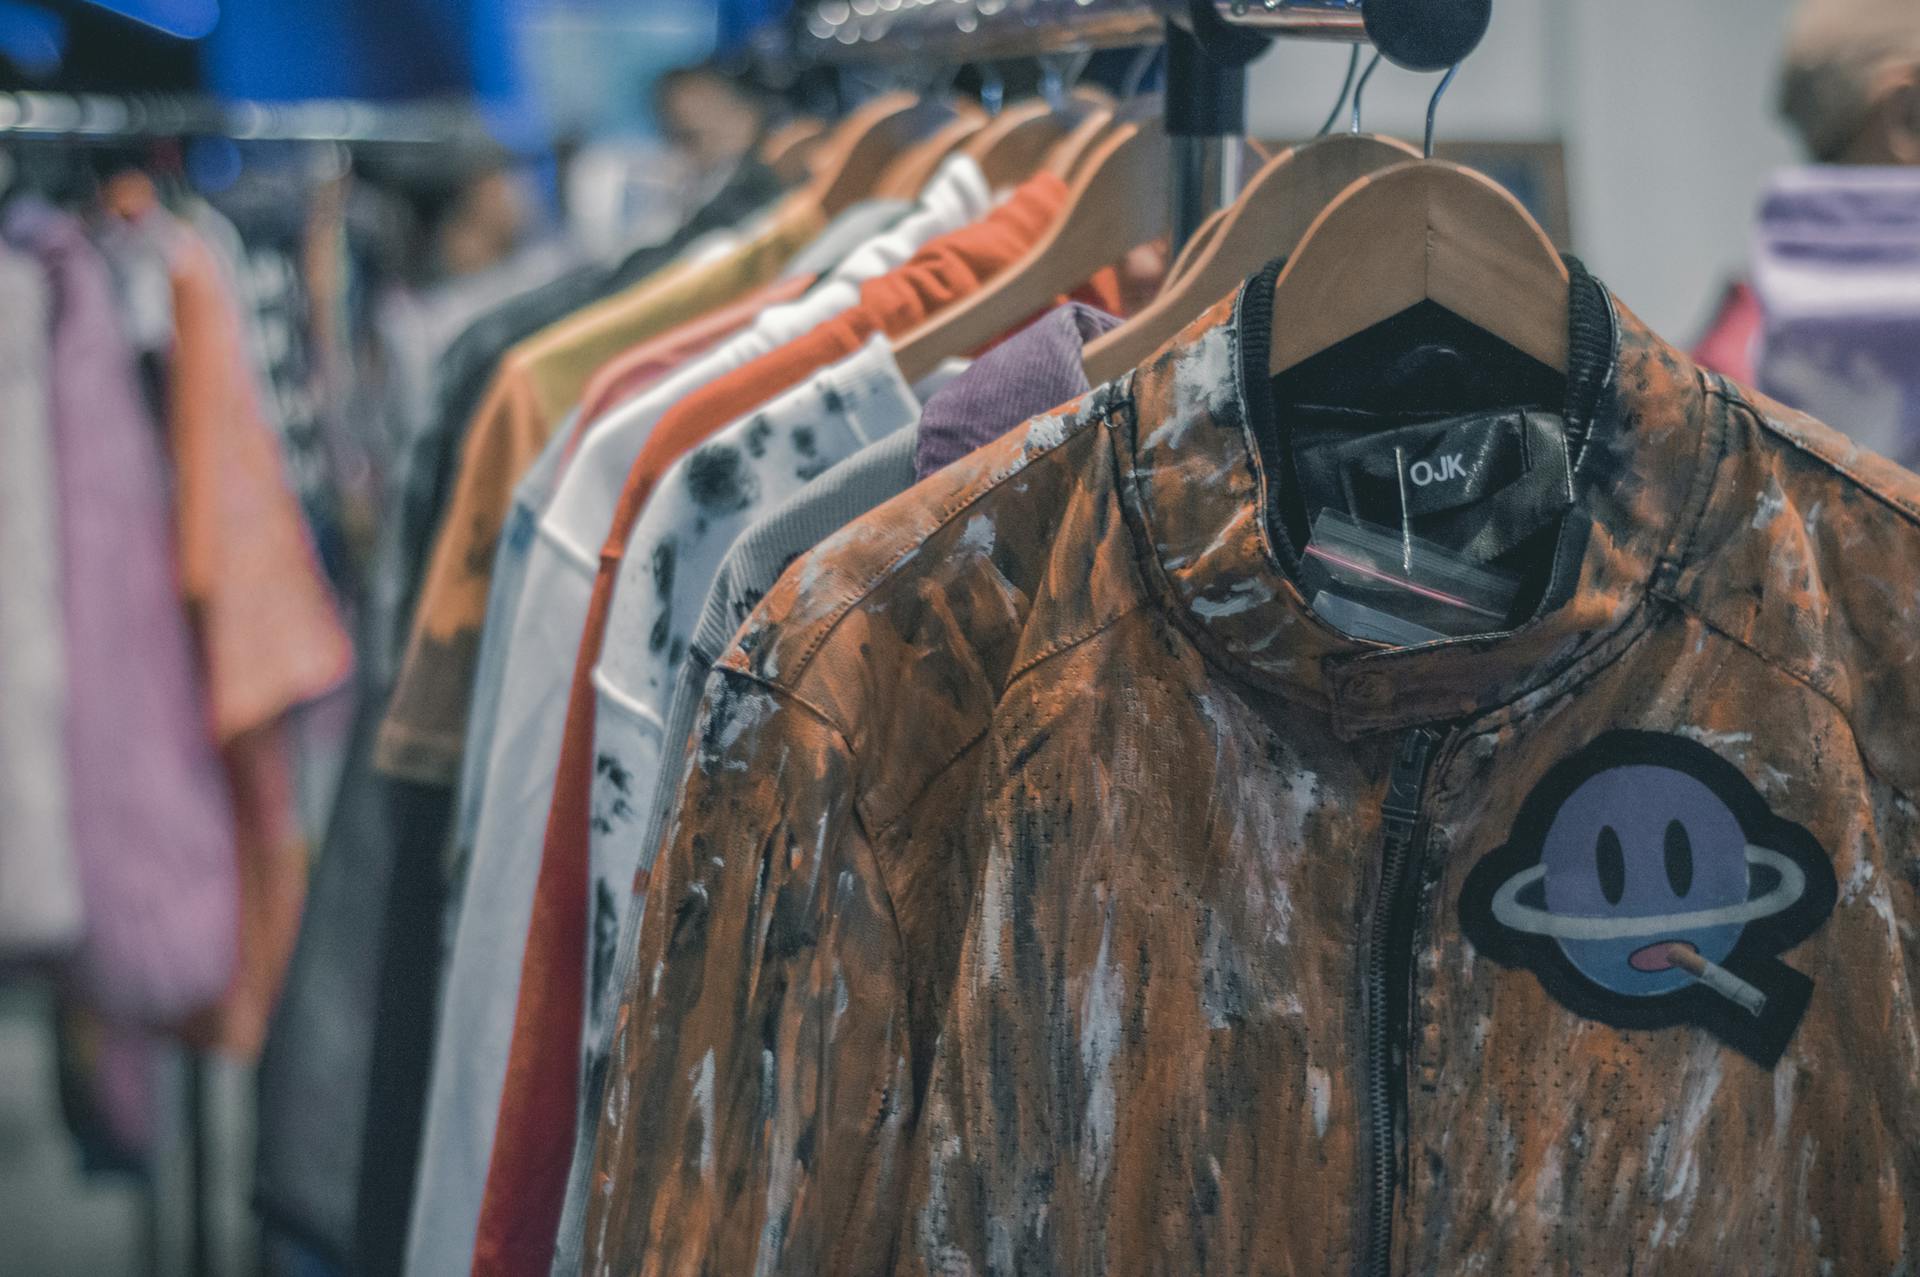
(1647, 885)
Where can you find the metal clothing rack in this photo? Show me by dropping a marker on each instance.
(104, 118)
(949, 31)
(1209, 44)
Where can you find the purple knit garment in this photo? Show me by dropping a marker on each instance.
(152, 820)
(1037, 368)
(1837, 270)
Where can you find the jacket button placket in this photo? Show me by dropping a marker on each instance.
(1361, 698)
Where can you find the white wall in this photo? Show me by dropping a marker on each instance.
(1666, 108)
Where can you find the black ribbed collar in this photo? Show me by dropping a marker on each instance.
(1204, 450)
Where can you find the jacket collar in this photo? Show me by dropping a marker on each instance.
(1200, 445)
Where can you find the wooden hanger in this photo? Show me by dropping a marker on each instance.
(909, 173)
(860, 147)
(1259, 153)
(1273, 213)
(1012, 146)
(1092, 97)
(1195, 247)
(1071, 151)
(787, 148)
(1425, 230)
(1259, 156)
(1115, 204)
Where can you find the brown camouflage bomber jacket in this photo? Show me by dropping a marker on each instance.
(1051, 892)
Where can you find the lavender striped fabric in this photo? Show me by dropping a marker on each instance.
(1037, 368)
(1837, 270)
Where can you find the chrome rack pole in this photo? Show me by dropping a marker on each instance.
(110, 118)
(1296, 19)
(958, 31)
(1206, 178)
(1206, 105)
(1206, 128)
(1209, 44)
(1419, 35)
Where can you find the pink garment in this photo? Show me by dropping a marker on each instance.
(268, 628)
(1732, 340)
(268, 631)
(152, 819)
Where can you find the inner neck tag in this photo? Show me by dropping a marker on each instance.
(1478, 485)
(1427, 530)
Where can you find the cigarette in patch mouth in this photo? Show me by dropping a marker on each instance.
(1716, 977)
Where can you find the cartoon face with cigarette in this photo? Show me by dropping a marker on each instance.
(1648, 884)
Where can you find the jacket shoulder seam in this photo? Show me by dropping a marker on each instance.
(1061, 646)
(881, 828)
(1058, 648)
(967, 500)
(1799, 676)
(1700, 498)
(792, 694)
(1734, 399)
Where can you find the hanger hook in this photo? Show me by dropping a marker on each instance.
(1076, 67)
(1053, 77)
(1433, 104)
(1137, 73)
(993, 89)
(1059, 74)
(943, 81)
(1360, 89)
(861, 83)
(1346, 87)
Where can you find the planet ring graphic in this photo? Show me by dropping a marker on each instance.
(1532, 920)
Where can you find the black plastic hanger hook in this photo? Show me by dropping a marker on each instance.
(1346, 87)
(1433, 104)
(1427, 35)
(1359, 90)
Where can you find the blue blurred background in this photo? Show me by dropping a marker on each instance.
(537, 67)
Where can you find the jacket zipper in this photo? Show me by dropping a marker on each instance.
(1389, 960)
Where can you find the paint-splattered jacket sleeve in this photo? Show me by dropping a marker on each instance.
(807, 905)
(763, 1026)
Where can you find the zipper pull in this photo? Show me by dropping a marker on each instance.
(1406, 779)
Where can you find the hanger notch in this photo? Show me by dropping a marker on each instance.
(1426, 230)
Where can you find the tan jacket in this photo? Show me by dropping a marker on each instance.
(1051, 892)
